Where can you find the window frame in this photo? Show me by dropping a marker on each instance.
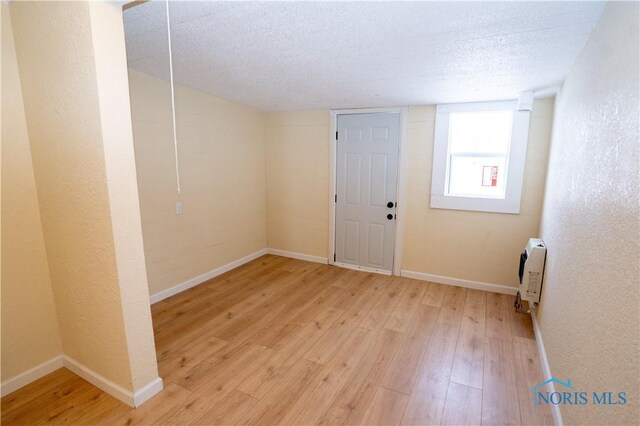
(516, 159)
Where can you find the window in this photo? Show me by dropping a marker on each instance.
(479, 156)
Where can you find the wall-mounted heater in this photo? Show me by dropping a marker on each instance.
(531, 271)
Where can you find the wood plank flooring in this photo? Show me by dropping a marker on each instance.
(282, 341)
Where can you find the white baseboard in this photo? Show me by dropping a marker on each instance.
(546, 370)
(478, 285)
(132, 399)
(319, 259)
(179, 288)
(299, 256)
(205, 277)
(31, 375)
(113, 389)
(155, 385)
(147, 392)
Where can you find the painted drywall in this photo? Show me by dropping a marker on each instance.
(468, 245)
(298, 181)
(222, 171)
(117, 139)
(70, 120)
(457, 244)
(30, 334)
(589, 311)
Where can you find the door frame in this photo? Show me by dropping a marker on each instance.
(401, 189)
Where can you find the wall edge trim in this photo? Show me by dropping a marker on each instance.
(23, 379)
(115, 390)
(98, 380)
(299, 256)
(458, 282)
(145, 393)
(192, 282)
(546, 369)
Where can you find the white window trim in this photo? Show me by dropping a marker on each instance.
(516, 160)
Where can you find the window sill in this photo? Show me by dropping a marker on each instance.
(488, 205)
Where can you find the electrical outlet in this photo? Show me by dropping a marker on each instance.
(178, 207)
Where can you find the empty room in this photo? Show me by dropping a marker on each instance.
(320, 212)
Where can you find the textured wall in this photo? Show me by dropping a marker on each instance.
(64, 102)
(30, 334)
(117, 138)
(589, 311)
(471, 245)
(468, 245)
(222, 168)
(298, 181)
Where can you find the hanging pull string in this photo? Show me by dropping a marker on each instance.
(173, 101)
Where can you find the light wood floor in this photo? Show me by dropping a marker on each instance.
(284, 341)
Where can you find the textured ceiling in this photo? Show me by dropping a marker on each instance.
(279, 56)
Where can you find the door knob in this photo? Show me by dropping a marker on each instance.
(390, 204)
(389, 216)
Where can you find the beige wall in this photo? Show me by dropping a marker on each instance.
(30, 334)
(473, 246)
(107, 31)
(589, 311)
(82, 157)
(222, 170)
(466, 245)
(298, 181)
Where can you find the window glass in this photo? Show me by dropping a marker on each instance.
(478, 153)
(477, 177)
(480, 131)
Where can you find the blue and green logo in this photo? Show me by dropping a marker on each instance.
(568, 395)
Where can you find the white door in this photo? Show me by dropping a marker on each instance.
(366, 189)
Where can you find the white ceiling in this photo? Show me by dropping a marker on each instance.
(280, 56)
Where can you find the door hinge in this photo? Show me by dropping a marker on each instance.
(336, 198)
(336, 135)
(334, 257)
